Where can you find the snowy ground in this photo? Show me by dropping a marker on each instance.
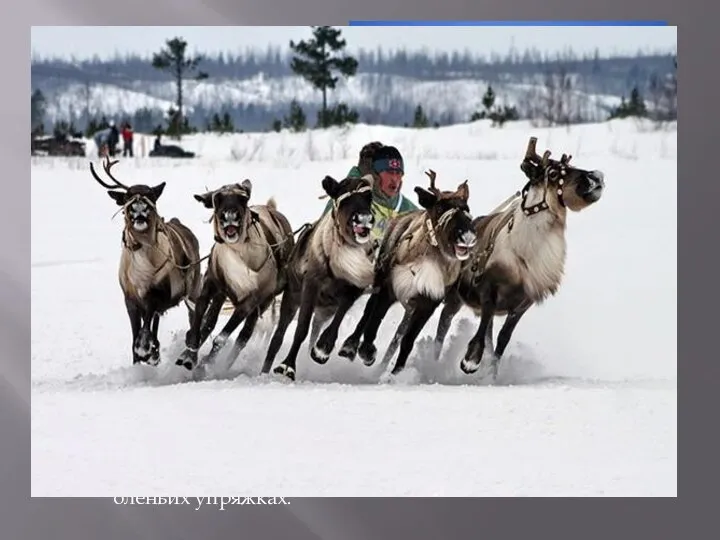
(586, 402)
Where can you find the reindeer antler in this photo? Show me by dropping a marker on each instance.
(545, 158)
(106, 167)
(565, 159)
(432, 175)
(531, 153)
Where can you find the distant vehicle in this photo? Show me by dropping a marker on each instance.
(57, 145)
(169, 150)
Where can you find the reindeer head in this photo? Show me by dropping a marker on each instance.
(230, 210)
(449, 221)
(555, 185)
(352, 207)
(138, 201)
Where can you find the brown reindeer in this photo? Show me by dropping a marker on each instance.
(520, 257)
(247, 265)
(330, 269)
(419, 258)
(159, 264)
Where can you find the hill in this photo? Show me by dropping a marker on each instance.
(256, 88)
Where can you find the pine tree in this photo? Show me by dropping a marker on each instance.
(419, 118)
(317, 59)
(174, 59)
(488, 99)
(295, 120)
(38, 105)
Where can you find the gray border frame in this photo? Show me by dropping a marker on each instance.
(77, 519)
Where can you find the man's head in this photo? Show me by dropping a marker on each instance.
(389, 167)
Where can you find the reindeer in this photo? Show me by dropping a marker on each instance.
(419, 258)
(247, 265)
(159, 264)
(519, 260)
(330, 269)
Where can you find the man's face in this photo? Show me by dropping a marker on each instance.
(390, 182)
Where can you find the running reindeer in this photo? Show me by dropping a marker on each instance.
(330, 269)
(520, 257)
(420, 257)
(247, 265)
(159, 264)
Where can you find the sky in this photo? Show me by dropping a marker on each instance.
(106, 41)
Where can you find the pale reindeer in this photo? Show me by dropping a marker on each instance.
(331, 267)
(247, 265)
(519, 259)
(159, 263)
(420, 257)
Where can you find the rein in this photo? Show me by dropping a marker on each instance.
(554, 177)
(160, 227)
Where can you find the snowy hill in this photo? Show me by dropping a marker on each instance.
(443, 101)
(585, 405)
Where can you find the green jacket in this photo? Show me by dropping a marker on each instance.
(383, 207)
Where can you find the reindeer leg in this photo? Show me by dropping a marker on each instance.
(288, 308)
(249, 327)
(452, 306)
(423, 310)
(324, 346)
(399, 333)
(144, 344)
(384, 301)
(238, 314)
(482, 340)
(318, 322)
(188, 358)
(135, 324)
(155, 343)
(307, 306)
(352, 342)
(506, 332)
(211, 317)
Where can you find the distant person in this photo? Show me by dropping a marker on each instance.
(127, 135)
(385, 164)
(106, 140)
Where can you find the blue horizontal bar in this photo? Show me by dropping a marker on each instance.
(508, 23)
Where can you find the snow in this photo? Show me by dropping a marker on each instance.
(384, 90)
(585, 404)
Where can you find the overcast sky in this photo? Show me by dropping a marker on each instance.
(105, 41)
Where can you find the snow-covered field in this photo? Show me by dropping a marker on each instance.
(586, 399)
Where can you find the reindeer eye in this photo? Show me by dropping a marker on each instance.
(553, 174)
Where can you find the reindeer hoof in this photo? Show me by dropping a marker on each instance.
(469, 366)
(286, 371)
(319, 354)
(144, 347)
(154, 358)
(368, 352)
(187, 359)
(349, 350)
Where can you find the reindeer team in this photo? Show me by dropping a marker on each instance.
(499, 264)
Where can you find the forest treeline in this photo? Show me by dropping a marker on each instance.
(560, 75)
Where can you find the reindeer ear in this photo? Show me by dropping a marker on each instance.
(369, 180)
(247, 186)
(463, 191)
(205, 199)
(425, 198)
(117, 196)
(331, 186)
(157, 191)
